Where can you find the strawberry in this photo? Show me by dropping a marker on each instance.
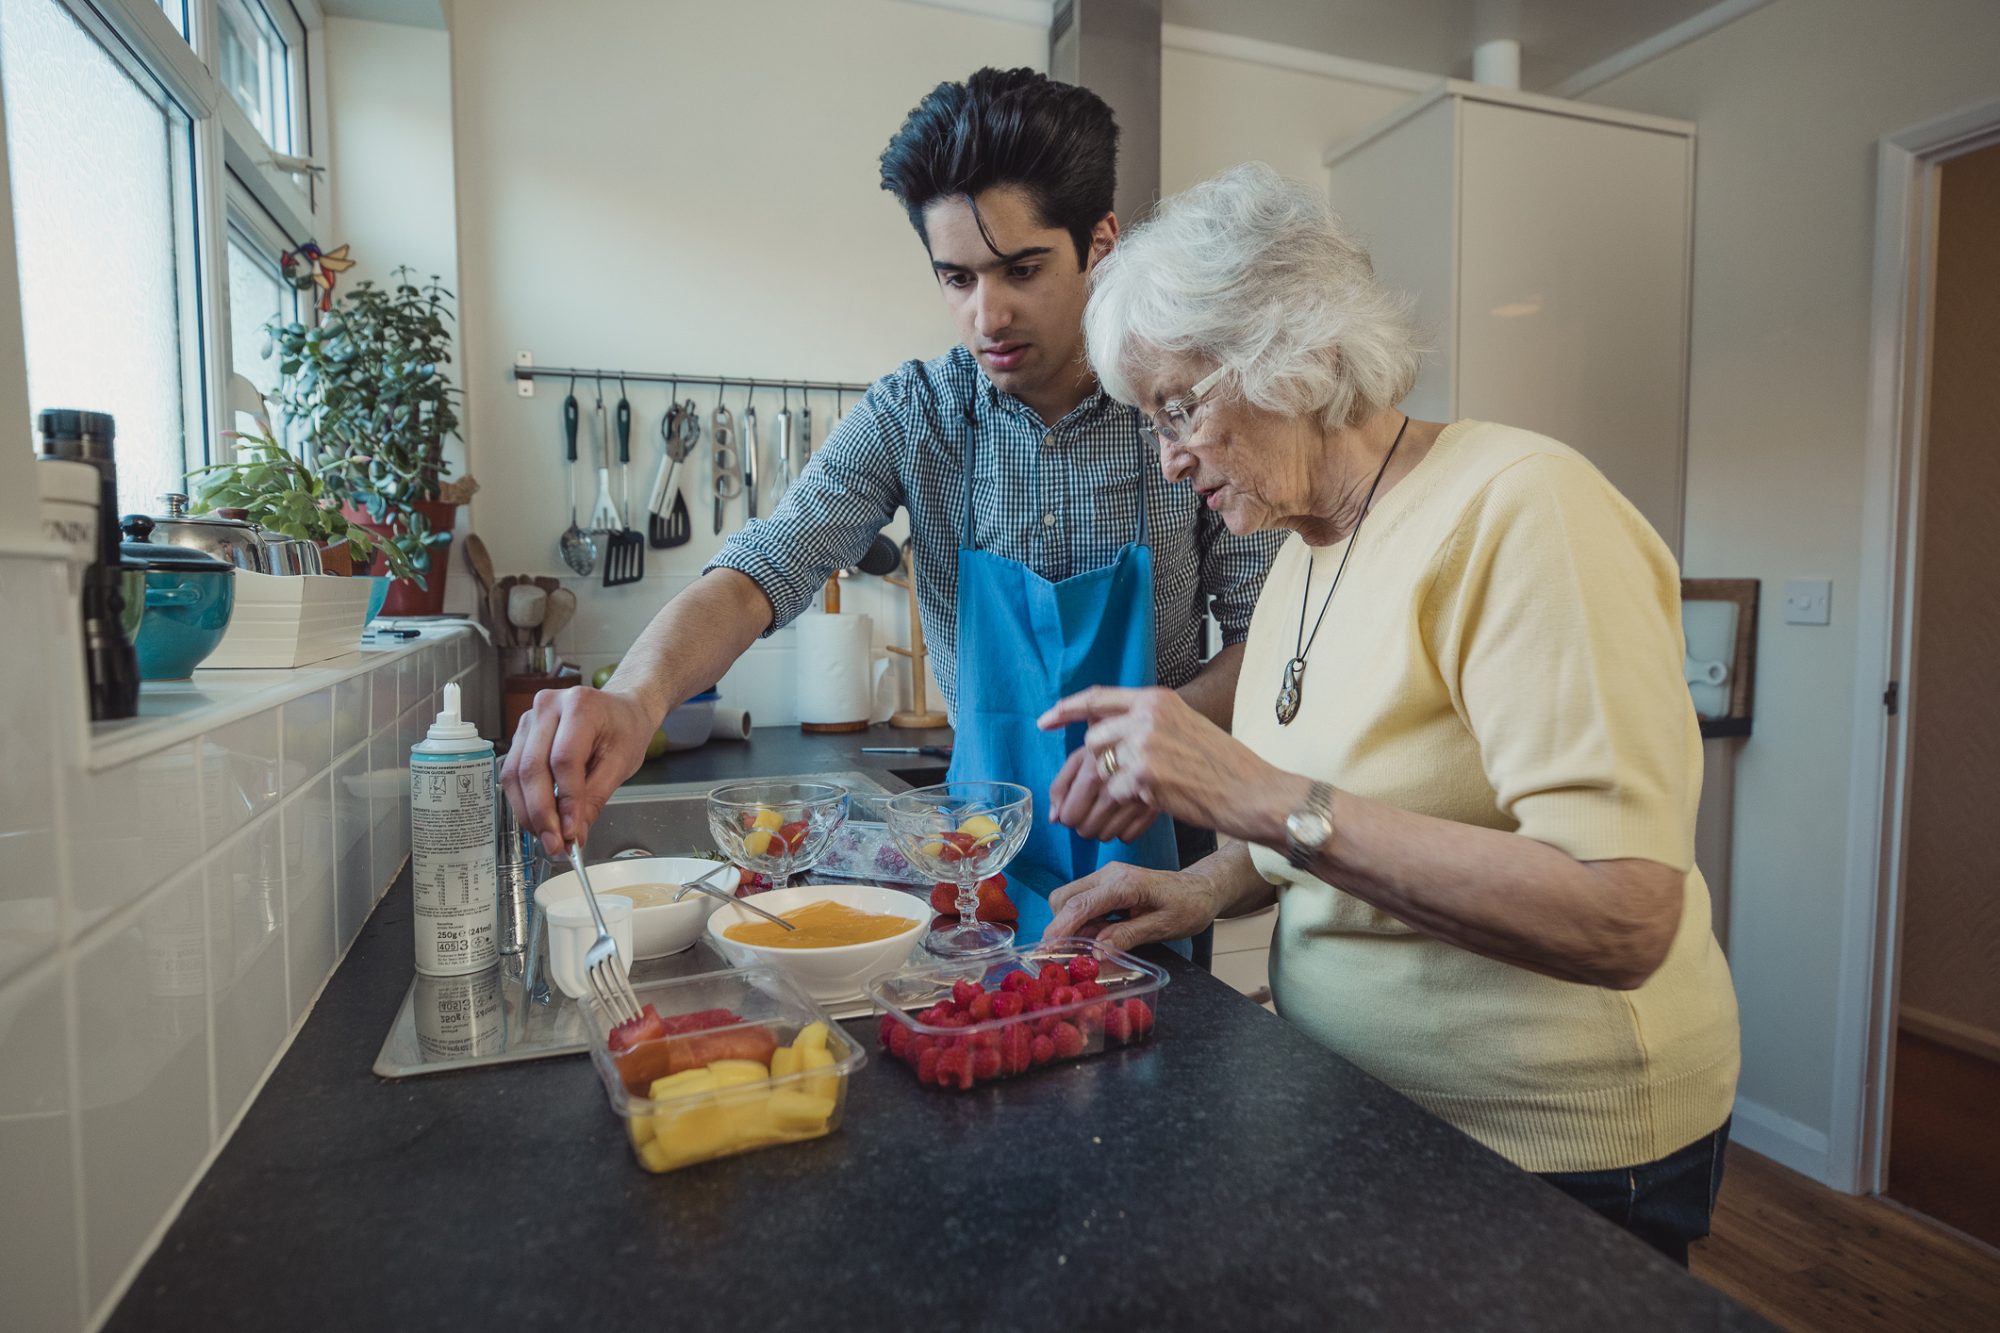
(986, 1064)
(791, 837)
(982, 1010)
(1016, 982)
(648, 1026)
(964, 992)
(927, 1065)
(1141, 1015)
(1117, 1024)
(994, 904)
(1062, 995)
(1042, 1050)
(944, 899)
(1089, 990)
(1082, 968)
(1008, 1003)
(1054, 975)
(1068, 1040)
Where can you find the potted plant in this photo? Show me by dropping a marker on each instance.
(275, 489)
(368, 384)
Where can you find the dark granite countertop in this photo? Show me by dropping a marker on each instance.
(1232, 1174)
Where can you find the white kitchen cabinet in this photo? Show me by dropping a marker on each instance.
(1547, 244)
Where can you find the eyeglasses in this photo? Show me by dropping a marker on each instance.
(1176, 419)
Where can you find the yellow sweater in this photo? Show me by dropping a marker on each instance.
(1505, 650)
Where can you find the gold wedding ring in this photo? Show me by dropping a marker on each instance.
(1107, 764)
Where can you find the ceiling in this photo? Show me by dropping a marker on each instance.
(411, 13)
(1558, 37)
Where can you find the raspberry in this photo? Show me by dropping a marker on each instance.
(1042, 1050)
(1038, 994)
(986, 1065)
(988, 1040)
(1091, 1019)
(900, 1042)
(1117, 1024)
(927, 1065)
(1082, 968)
(1045, 1026)
(1016, 1048)
(954, 1020)
(964, 992)
(887, 1026)
(1062, 995)
(1089, 990)
(982, 1008)
(923, 1043)
(1054, 975)
(1068, 1039)
(955, 1067)
(1016, 981)
(936, 1014)
(1008, 1003)
(1141, 1015)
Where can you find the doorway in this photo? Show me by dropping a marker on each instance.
(1943, 1157)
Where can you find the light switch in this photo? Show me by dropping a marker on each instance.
(1809, 602)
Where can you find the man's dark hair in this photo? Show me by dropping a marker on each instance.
(1016, 127)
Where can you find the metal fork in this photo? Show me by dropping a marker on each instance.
(703, 886)
(602, 966)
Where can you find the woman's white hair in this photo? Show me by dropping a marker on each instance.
(1253, 271)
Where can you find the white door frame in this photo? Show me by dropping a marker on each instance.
(1886, 610)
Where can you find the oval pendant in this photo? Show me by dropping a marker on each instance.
(1288, 695)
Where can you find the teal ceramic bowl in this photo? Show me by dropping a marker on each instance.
(189, 596)
(379, 595)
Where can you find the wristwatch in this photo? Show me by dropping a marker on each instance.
(1310, 827)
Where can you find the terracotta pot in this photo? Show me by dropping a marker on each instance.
(336, 558)
(405, 597)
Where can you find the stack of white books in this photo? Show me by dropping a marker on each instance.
(292, 620)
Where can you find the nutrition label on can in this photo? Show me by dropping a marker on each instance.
(452, 864)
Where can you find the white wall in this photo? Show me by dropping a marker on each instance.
(685, 187)
(388, 103)
(20, 521)
(1790, 102)
(1217, 111)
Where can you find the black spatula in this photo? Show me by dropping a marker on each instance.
(625, 546)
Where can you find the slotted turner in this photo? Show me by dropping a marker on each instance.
(674, 528)
(624, 545)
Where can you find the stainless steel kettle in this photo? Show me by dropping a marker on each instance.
(233, 540)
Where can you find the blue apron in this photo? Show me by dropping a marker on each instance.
(1023, 644)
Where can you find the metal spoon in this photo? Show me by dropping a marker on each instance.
(703, 886)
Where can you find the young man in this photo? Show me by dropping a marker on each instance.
(1052, 553)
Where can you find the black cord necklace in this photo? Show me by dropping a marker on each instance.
(1295, 670)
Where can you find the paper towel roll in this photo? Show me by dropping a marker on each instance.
(836, 683)
(731, 724)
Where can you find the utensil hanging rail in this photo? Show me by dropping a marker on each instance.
(664, 377)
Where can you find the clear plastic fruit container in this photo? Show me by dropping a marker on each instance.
(735, 1110)
(984, 1040)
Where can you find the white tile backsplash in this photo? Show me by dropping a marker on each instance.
(246, 931)
(306, 725)
(170, 903)
(143, 1062)
(350, 714)
(311, 877)
(39, 1264)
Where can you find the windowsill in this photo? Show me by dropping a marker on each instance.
(171, 711)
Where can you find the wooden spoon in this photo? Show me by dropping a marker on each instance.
(556, 613)
(481, 561)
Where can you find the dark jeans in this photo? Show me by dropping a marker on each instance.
(1665, 1203)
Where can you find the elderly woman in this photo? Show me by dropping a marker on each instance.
(1464, 759)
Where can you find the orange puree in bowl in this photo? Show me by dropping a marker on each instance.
(820, 926)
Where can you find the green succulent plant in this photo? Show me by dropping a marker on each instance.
(279, 492)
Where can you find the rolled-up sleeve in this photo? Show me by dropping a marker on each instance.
(828, 516)
(1232, 572)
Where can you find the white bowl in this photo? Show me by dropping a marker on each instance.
(832, 974)
(656, 931)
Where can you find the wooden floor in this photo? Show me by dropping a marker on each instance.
(1809, 1258)
(1944, 1136)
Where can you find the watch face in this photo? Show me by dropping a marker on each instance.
(1308, 828)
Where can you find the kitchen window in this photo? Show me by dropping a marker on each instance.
(159, 153)
(101, 166)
